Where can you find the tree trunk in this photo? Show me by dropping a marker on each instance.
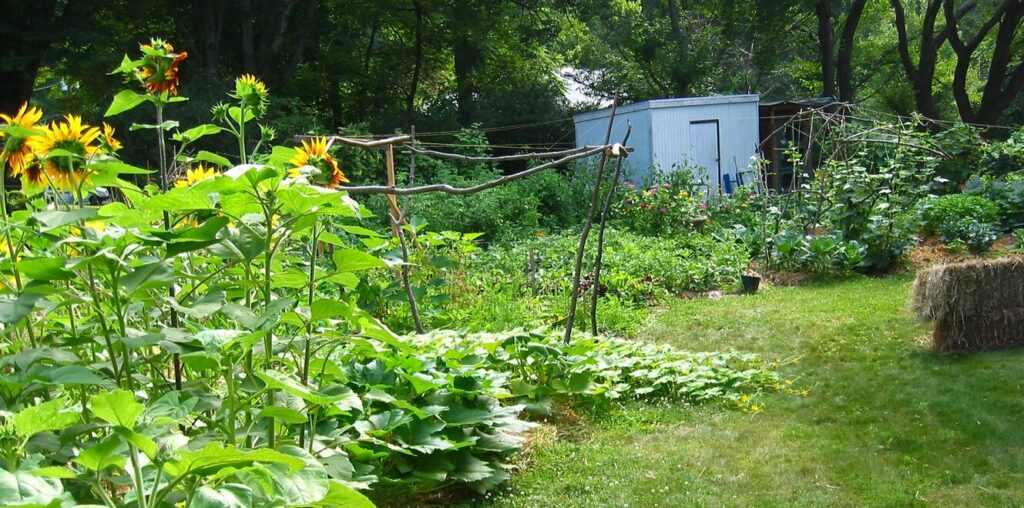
(410, 100)
(1003, 85)
(826, 47)
(846, 43)
(29, 29)
(466, 55)
(920, 76)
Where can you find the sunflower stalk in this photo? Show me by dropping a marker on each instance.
(162, 149)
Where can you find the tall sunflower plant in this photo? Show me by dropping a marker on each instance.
(174, 347)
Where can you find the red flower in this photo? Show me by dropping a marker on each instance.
(643, 205)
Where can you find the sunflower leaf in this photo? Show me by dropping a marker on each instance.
(125, 100)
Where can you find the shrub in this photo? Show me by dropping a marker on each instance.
(953, 208)
(961, 218)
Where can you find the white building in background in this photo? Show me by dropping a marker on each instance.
(718, 134)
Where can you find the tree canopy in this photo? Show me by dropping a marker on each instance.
(382, 65)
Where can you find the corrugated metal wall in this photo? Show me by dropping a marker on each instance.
(738, 136)
(663, 136)
(591, 128)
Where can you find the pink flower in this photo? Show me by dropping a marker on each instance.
(703, 206)
(653, 190)
(630, 185)
(662, 211)
(666, 186)
(750, 196)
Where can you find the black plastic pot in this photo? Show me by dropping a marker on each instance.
(750, 283)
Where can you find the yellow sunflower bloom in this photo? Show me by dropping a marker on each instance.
(313, 153)
(77, 143)
(252, 92)
(109, 141)
(196, 175)
(19, 154)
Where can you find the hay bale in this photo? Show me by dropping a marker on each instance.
(1001, 329)
(974, 288)
(976, 305)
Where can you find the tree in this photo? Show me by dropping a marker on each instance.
(30, 29)
(921, 74)
(1003, 81)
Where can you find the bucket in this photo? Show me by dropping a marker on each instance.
(750, 283)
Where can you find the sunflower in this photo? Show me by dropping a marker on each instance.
(196, 175)
(77, 142)
(313, 153)
(252, 93)
(159, 68)
(109, 141)
(19, 154)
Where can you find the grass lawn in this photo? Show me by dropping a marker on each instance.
(885, 423)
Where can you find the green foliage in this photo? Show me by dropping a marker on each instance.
(635, 268)
(961, 218)
(212, 341)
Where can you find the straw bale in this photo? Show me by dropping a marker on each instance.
(996, 330)
(960, 291)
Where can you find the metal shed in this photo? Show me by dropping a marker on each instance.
(718, 134)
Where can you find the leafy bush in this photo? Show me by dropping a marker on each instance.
(816, 254)
(1007, 192)
(669, 204)
(962, 218)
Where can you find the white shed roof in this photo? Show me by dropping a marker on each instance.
(668, 103)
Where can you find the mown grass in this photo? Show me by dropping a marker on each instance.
(885, 422)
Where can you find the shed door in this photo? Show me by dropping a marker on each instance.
(704, 150)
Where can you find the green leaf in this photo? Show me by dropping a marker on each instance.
(43, 417)
(73, 375)
(178, 200)
(142, 443)
(231, 495)
(52, 219)
(283, 414)
(353, 260)
(12, 311)
(235, 113)
(124, 101)
(327, 309)
(55, 472)
(193, 134)
(102, 455)
(276, 380)
(281, 155)
(24, 489)
(298, 488)
(117, 168)
(148, 276)
(44, 269)
(167, 125)
(204, 156)
(118, 407)
(339, 494)
(216, 456)
(18, 131)
(203, 307)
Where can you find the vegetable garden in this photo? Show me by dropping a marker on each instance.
(266, 327)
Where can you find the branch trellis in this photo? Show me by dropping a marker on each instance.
(398, 215)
